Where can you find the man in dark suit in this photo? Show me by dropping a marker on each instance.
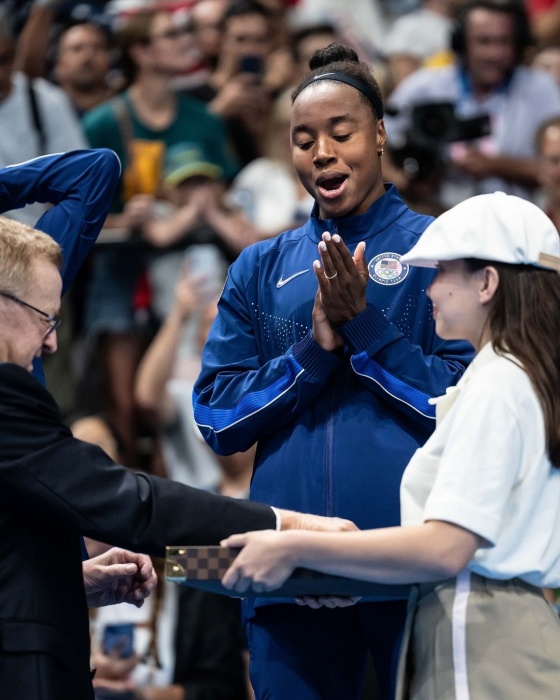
(54, 488)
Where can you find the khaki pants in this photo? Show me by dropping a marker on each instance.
(473, 638)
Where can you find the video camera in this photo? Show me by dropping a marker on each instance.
(432, 126)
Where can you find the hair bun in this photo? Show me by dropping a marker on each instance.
(332, 54)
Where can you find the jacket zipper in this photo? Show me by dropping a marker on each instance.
(329, 437)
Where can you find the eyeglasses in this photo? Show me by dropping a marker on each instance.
(52, 320)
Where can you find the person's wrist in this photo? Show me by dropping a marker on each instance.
(290, 549)
(180, 314)
(288, 519)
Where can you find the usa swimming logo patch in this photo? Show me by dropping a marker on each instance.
(387, 269)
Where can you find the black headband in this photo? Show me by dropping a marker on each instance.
(360, 85)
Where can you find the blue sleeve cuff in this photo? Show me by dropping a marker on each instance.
(364, 329)
(319, 362)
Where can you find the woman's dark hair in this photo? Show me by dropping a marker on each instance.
(341, 59)
(524, 320)
(135, 31)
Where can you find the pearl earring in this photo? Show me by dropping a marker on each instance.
(380, 152)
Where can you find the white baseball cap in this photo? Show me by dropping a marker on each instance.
(498, 227)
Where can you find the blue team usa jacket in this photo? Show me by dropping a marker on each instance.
(334, 431)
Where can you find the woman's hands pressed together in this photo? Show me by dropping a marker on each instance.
(341, 295)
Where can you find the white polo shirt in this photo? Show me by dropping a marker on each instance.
(486, 469)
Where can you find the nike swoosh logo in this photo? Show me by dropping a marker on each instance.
(281, 282)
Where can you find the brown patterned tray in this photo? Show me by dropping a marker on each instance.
(204, 567)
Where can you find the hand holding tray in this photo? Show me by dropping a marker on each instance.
(204, 567)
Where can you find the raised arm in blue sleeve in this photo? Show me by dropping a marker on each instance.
(79, 185)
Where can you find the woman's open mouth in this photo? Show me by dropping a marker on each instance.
(331, 187)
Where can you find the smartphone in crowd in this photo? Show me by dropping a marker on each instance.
(118, 639)
(251, 64)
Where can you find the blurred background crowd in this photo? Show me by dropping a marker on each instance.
(194, 96)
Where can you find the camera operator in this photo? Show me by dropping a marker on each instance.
(493, 107)
(420, 152)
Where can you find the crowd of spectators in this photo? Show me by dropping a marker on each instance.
(194, 97)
